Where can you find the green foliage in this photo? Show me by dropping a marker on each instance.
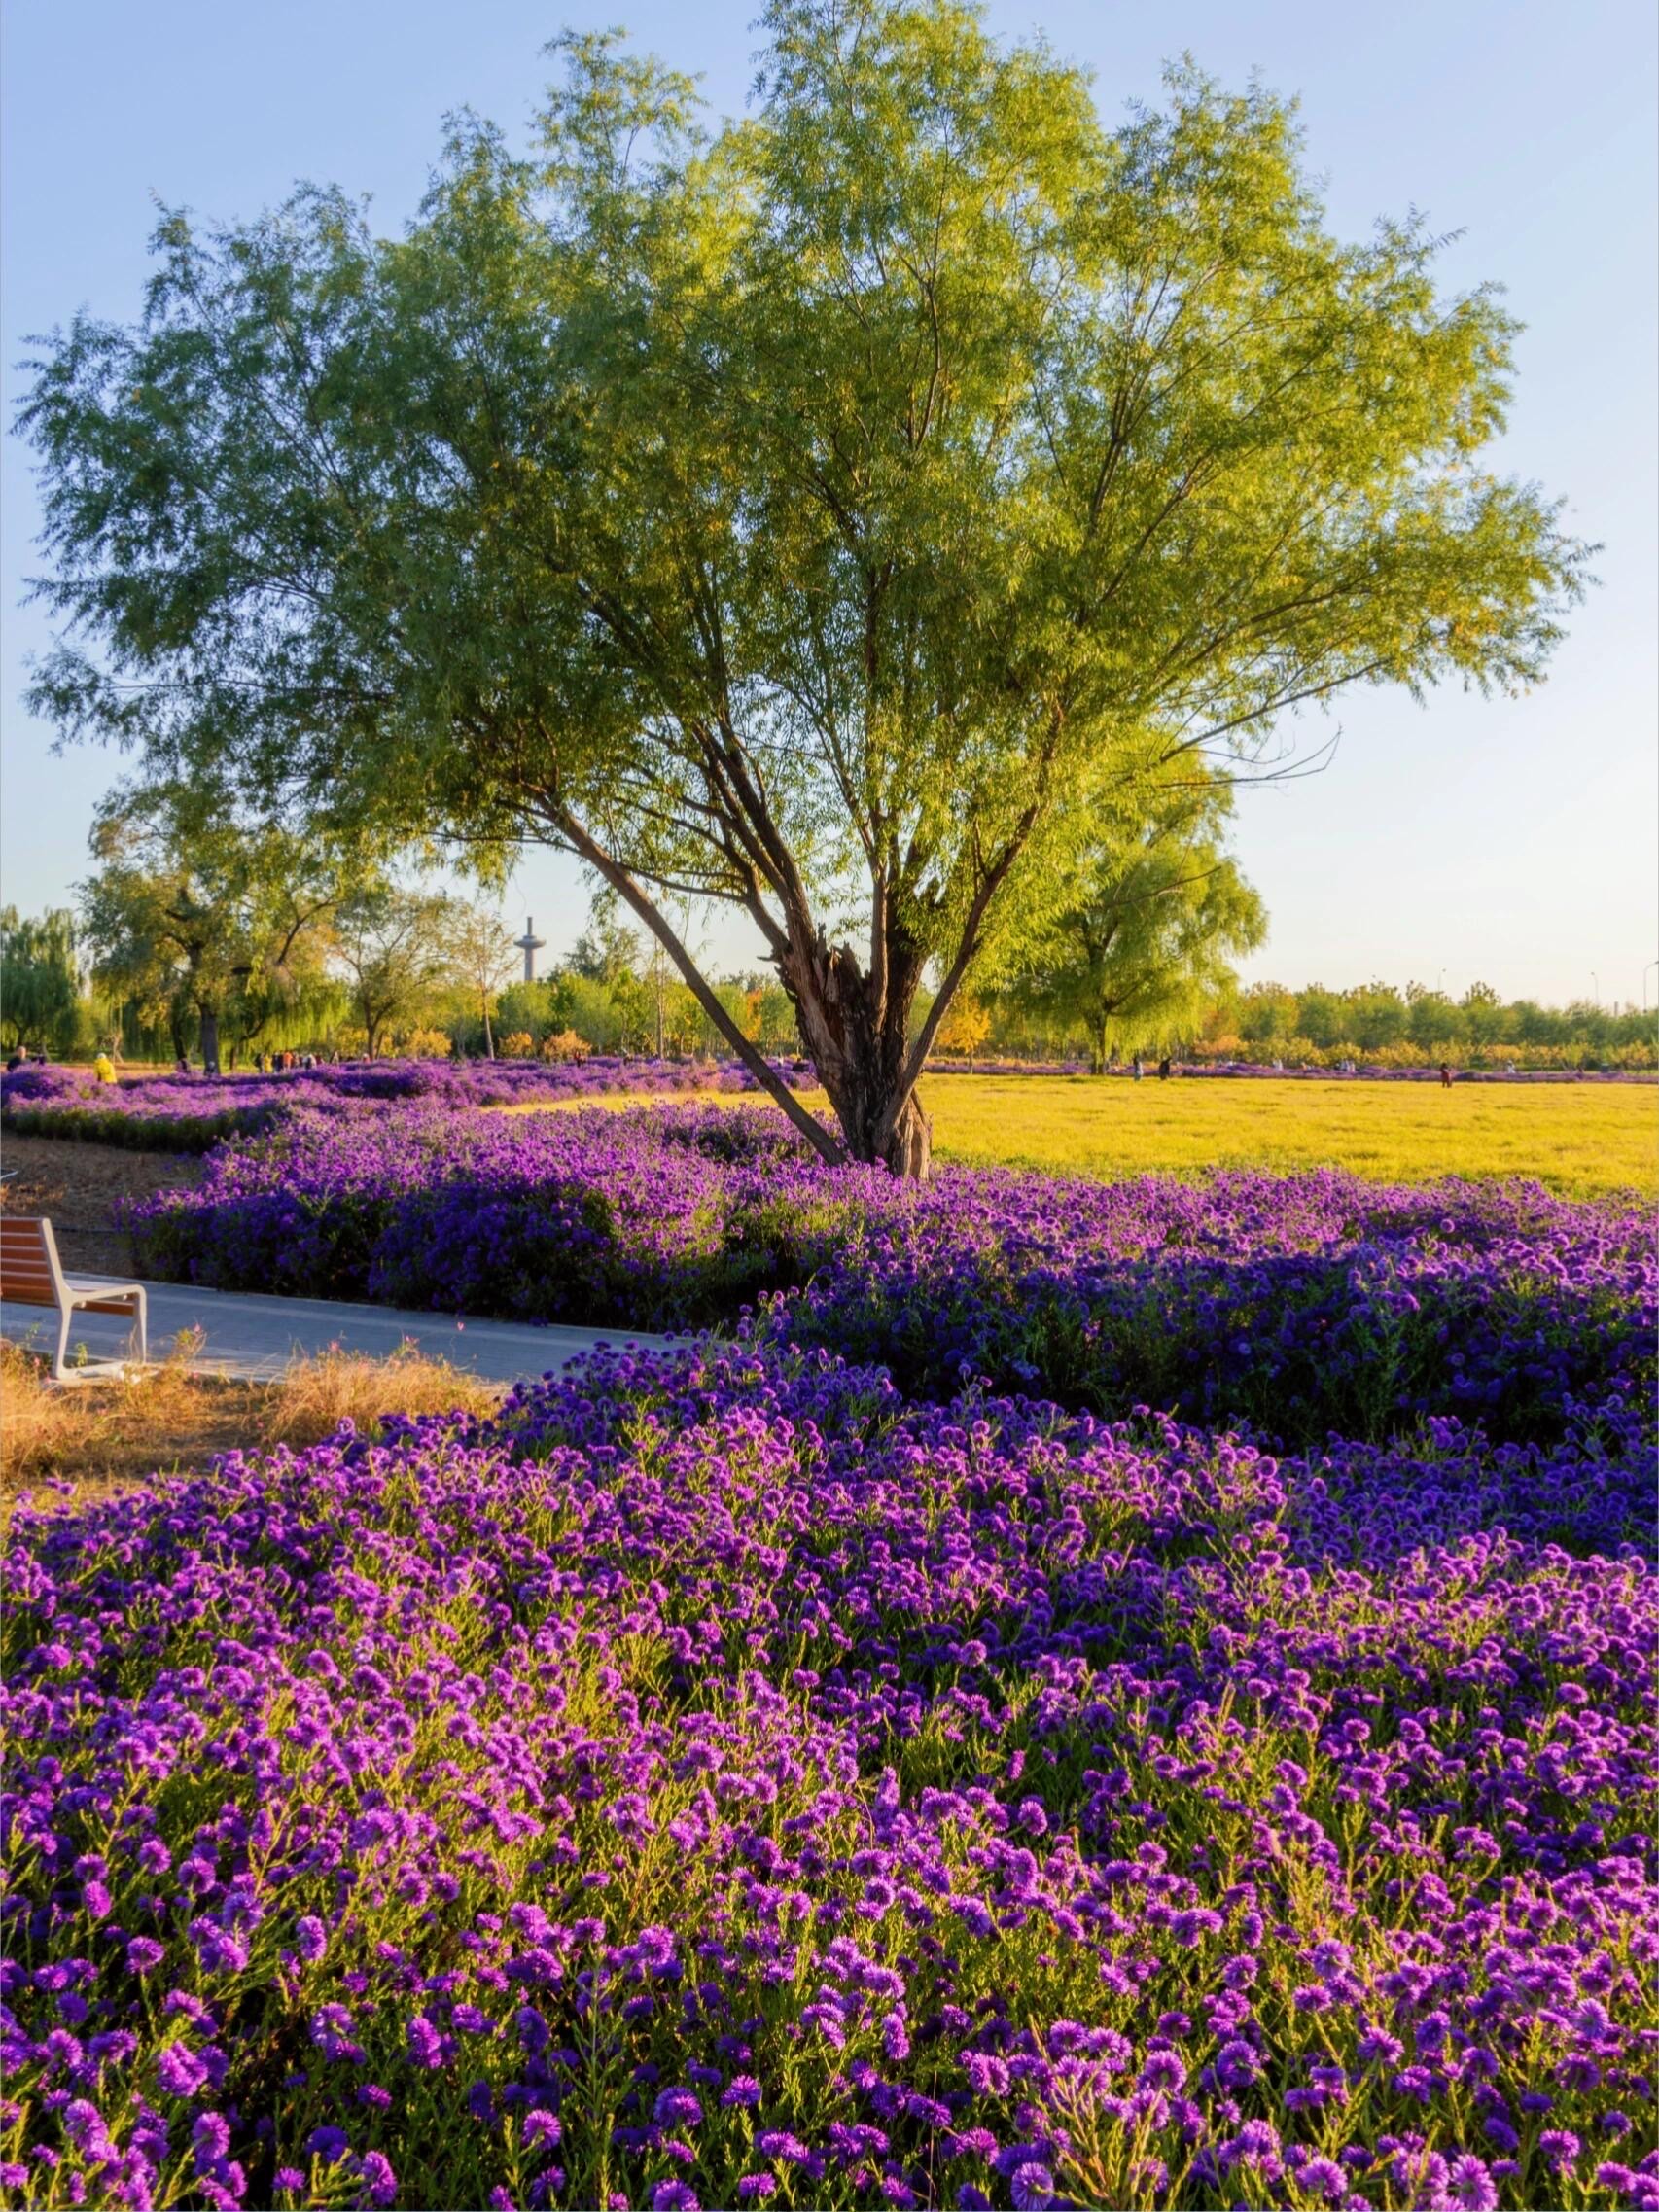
(802, 517)
(40, 981)
(393, 946)
(1154, 908)
(196, 915)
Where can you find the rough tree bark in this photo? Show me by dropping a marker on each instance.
(854, 1027)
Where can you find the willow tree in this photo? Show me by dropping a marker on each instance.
(198, 916)
(800, 515)
(1155, 911)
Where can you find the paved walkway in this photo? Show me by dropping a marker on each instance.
(257, 1338)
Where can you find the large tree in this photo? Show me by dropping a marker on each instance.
(1155, 911)
(198, 915)
(40, 976)
(393, 947)
(479, 953)
(801, 516)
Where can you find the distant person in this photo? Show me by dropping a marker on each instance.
(1138, 1069)
(1445, 1076)
(104, 1068)
(18, 1059)
(1164, 1069)
(181, 1066)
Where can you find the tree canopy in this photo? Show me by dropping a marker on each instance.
(40, 980)
(393, 947)
(808, 514)
(190, 909)
(1143, 937)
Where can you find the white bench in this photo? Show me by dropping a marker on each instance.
(32, 1274)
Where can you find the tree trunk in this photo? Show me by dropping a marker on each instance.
(209, 1041)
(857, 1037)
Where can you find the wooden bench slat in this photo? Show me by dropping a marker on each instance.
(31, 1275)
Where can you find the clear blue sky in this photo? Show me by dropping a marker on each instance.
(1513, 842)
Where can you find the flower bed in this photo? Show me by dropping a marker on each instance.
(1300, 1305)
(191, 1113)
(721, 1782)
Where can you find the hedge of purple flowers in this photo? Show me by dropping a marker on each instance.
(191, 1113)
(723, 1781)
(1300, 1305)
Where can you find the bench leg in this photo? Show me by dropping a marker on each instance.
(142, 1330)
(66, 1315)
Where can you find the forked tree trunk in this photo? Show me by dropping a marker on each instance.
(856, 1035)
(209, 1041)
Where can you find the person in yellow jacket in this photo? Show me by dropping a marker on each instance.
(104, 1068)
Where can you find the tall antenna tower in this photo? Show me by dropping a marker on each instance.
(529, 944)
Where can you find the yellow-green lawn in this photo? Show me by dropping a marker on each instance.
(1580, 1139)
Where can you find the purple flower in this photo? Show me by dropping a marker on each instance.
(380, 2183)
(743, 2090)
(778, 2143)
(310, 1938)
(677, 2108)
(1471, 2185)
(84, 2125)
(673, 2197)
(180, 2072)
(210, 2136)
(1031, 2186)
(144, 1953)
(1322, 2177)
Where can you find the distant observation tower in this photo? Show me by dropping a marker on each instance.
(529, 944)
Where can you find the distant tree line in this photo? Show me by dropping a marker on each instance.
(1377, 1023)
(407, 973)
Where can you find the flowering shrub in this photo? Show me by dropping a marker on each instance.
(719, 1781)
(421, 1044)
(1298, 1305)
(565, 1045)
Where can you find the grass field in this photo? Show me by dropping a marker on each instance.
(1577, 1140)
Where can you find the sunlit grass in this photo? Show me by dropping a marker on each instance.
(1579, 1140)
(107, 1435)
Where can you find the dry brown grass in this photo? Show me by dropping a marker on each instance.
(106, 1435)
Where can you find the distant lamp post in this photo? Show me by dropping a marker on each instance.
(1596, 986)
(529, 944)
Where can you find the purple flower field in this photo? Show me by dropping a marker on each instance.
(721, 1783)
(1298, 1305)
(1097, 1696)
(190, 1113)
